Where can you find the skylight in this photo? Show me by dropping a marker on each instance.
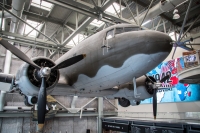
(111, 10)
(146, 22)
(171, 34)
(3, 24)
(28, 28)
(77, 39)
(44, 5)
(97, 23)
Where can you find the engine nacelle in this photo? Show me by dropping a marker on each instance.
(28, 82)
(127, 92)
(30, 100)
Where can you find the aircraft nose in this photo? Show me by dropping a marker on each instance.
(159, 46)
(161, 41)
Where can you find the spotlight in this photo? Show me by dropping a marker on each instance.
(175, 11)
(176, 15)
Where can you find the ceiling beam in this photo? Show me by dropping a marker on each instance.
(162, 15)
(107, 17)
(194, 11)
(78, 30)
(92, 16)
(43, 25)
(42, 18)
(30, 40)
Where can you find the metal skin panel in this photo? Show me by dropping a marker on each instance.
(132, 54)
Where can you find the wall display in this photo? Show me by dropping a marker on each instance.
(116, 126)
(155, 129)
(173, 91)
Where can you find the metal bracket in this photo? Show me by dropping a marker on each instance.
(136, 95)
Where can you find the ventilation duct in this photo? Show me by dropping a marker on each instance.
(161, 7)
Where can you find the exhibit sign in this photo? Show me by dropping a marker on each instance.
(172, 90)
(122, 127)
(154, 129)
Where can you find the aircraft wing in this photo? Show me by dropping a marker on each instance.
(66, 90)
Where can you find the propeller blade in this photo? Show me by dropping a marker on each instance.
(165, 78)
(41, 105)
(18, 53)
(154, 103)
(174, 52)
(69, 62)
(149, 79)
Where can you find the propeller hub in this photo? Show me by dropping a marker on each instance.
(45, 71)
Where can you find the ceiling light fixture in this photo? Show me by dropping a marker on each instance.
(176, 15)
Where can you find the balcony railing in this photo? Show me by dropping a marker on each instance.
(189, 60)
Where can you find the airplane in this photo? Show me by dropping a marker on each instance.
(108, 64)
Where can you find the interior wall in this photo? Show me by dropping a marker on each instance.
(165, 107)
(55, 125)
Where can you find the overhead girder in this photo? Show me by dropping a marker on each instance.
(91, 17)
(78, 30)
(91, 12)
(31, 41)
(43, 25)
(162, 15)
(38, 17)
(193, 12)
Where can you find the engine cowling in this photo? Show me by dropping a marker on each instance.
(27, 77)
(30, 100)
(127, 95)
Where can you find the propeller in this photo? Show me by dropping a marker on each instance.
(155, 86)
(18, 53)
(42, 104)
(43, 73)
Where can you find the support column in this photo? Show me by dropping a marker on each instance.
(7, 71)
(100, 114)
(44, 32)
(17, 8)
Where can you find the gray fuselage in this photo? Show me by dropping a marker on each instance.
(124, 56)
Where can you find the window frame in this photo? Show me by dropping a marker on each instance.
(119, 28)
(109, 31)
(131, 30)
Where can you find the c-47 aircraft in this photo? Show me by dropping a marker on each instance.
(105, 64)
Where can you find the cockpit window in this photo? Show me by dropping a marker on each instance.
(128, 29)
(119, 31)
(110, 34)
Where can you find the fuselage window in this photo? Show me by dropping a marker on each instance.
(110, 34)
(119, 31)
(128, 29)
